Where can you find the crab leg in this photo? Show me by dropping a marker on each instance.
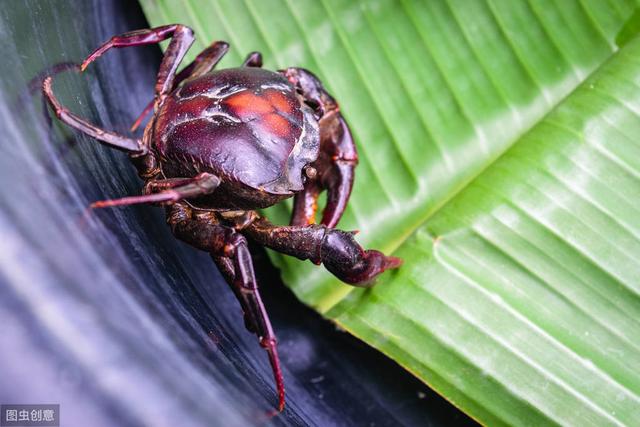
(229, 250)
(336, 249)
(256, 319)
(254, 59)
(174, 191)
(181, 39)
(338, 156)
(112, 139)
(204, 62)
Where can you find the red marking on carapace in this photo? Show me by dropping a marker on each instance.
(276, 124)
(193, 108)
(264, 108)
(279, 101)
(247, 104)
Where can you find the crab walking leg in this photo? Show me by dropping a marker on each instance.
(229, 250)
(254, 59)
(227, 269)
(204, 62)
(336, 249)
(112, 139)
(255, 315)
(251, 317)
(181, 39)
(175, 190)
(338, 156)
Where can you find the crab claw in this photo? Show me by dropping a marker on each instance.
(338, 178)
(334, 171)
(338, 182)
(348, 261)
(305, 204)
(373, 263)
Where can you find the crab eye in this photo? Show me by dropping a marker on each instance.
(310, 172)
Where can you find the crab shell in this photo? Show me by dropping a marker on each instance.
(248, 126)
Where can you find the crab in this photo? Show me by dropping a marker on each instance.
(222, 144)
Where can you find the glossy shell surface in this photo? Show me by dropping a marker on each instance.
(246, 125)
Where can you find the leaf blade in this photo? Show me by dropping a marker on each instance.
(493, 73)
(496, 264)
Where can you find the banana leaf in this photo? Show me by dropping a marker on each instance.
(499, 159)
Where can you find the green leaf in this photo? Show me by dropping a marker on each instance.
(499, 158)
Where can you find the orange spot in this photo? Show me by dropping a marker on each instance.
(276, 124)
(278, 100)
(248, 104)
